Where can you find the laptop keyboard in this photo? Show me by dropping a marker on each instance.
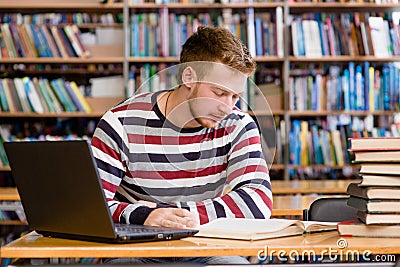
(133, 228)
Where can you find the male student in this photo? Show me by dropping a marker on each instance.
(186, 156)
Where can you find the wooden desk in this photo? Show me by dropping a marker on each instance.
(33, 245)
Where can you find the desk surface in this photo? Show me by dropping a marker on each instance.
(33, 245)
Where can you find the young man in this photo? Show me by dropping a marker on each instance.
(186, 156)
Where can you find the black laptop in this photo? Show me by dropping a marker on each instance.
(62, 195)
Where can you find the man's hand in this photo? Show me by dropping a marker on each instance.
(171, 217)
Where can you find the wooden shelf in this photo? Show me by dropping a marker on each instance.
(297, 202)
(318, 167)
(99, 106)
(107, 60)
(300, 7)
(9, 194)
(13, 222)
(323, 113)
(51, 115)
(200, 6)
(277, 166)
(312, 113)
(71, 60)
(286, 212)
(342, 59)
(176, 59)
(310, 187)
(60, 6)
(266, 113)
(98, 25)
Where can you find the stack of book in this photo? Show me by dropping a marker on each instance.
(377, 196)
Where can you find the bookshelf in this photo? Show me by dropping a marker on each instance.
(126, 61)
(105, 60)
(362, 120)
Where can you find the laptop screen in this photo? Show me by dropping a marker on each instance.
(62, 195)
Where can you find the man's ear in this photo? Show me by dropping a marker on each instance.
(189, 77)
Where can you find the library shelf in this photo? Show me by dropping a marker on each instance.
(311, 113)
(208, 6)
(4, 168)
(277, 167)
(51, 115)
(342, 59)
(13, 222)
(310, 187)
(70, 60)
(8, 193)
(81, 69)
(323, 166)
(355, 13)
(286, 213)
(99, 106)
(176, 59)
(60, 6)
(301, 7)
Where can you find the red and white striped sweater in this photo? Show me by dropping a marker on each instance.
(213, 172)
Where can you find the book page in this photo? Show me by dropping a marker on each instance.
(248, 225)
(314, 226)
(250, 229)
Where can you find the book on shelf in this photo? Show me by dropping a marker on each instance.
(22, 94)
(378, 37)
(12, 210)
(375, 205)
(376, 192)
(238, 228)
(358, 228)
(11, 95)
(375, 143)
(101, 86)
(33, 96)
(378, 218)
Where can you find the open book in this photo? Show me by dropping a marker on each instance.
(255, 229)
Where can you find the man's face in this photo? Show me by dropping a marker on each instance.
(210, 103)
(213, 98)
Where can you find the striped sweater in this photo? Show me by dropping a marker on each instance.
(213, 172)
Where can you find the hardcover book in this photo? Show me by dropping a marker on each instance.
(380, 168)
(374, 205)
(375, 143)
(354, 189)
(377, 156)
(379, 180)
(379, 218)
(358, 228)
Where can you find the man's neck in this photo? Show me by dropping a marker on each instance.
(176, 108)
